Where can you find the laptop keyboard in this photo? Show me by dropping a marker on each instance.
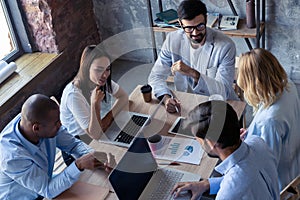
(167, 179)
(131, 129)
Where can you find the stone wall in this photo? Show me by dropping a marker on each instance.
(56, 26)
(62, 26)
(38, 14)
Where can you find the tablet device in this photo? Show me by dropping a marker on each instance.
(177, 129)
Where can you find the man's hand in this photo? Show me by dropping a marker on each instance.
(184, 69)
(172, 104)
(196, 188)
(111, 162)
(243, 133)
(96, 160)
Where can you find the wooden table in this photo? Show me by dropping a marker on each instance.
(160, 124)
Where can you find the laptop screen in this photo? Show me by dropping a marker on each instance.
(134, 170)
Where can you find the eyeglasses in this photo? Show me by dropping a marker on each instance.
(189, 29)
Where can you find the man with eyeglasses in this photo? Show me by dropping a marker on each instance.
(201, 59)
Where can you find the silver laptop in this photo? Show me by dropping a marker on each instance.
(137, 175)
(126, 126)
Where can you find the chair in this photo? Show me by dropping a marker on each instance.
(292, 190)
(59, 164)
(54, 99)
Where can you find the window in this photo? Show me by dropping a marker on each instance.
(14, 40)
(7, 35)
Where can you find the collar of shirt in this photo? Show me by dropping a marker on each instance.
(27, 144)
(233, 159)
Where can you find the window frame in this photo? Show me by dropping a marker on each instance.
(18, 31)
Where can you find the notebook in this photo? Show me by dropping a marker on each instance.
(137, 175)
(126, 126)
(168, 16)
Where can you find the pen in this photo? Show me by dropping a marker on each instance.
(175, 106)
(173, 97)
(169, 163)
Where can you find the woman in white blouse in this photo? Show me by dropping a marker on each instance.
(81, 108)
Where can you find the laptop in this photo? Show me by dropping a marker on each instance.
(126, 126)
(137, 175)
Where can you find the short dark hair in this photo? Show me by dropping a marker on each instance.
(215, 120)
(189, 9)
(37, 108)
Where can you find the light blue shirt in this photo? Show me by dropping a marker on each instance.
(249, 172)
(26, 169)
(279, 126)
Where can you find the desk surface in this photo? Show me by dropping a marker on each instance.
(161, 124)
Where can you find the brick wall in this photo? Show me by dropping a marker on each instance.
(57, 25)
(62, 26)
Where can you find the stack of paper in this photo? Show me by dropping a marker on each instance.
(161, 23)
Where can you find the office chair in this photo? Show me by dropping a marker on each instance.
(292, 190)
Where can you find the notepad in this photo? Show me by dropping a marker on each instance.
(81, 190)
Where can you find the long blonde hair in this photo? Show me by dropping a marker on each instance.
(262, 77)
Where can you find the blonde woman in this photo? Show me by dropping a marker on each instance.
(83, 99)
(276, 107)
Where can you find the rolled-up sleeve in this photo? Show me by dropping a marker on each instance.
(68, 143)
(23, 169)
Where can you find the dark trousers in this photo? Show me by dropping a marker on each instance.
(39, 198)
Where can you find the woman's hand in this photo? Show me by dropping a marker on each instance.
(97, 95)
(243, 133)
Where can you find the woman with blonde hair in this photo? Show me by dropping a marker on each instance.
(82, 103)
(276, 109)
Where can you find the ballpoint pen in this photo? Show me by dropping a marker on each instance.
(173, 97)
(175, 105)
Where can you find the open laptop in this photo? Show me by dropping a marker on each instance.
(137, 175)
(126, 126)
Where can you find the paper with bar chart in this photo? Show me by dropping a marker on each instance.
(180, 149)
